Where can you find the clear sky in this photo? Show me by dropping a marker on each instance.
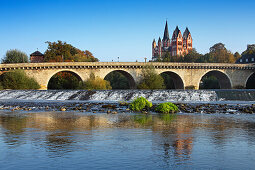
(124, 28)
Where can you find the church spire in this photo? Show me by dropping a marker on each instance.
(166, 34)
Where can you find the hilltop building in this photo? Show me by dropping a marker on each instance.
(248, 55)
(177, 46)
(36, 57)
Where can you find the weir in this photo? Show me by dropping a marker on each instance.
(129, 95)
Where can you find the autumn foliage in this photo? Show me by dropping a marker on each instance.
(63, 52)
(96, 83)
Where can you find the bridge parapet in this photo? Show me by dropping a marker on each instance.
(126, 65)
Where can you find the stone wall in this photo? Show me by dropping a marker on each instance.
(189, 73)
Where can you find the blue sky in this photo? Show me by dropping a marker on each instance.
(124, 29)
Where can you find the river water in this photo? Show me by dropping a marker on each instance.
(96, 140)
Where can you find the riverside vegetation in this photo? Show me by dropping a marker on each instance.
(17, 79)
(143, 105)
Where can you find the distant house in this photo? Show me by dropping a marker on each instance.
(36, 57)
(248, 56)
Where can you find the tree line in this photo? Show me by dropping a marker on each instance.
(56, 52)
(218, 53)
(61, 51)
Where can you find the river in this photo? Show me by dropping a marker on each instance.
(47, 138)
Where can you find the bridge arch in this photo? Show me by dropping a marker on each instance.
(130, 78)
(177, 81)
(74, 73)
(250, 81)
(223, 79)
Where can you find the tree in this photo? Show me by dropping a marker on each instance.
(18, 80)
(209, 82)
(192, 56)
(61, 51)
(64, 80)
(168, 81)
(219, 54)
(96, 83)
(237, 56)
(217, 47)
(151, 80)
(117, 80)
(15, 56)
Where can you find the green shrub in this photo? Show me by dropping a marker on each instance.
(96, 83)
(166, 108)
(139, 104)
(18, 80)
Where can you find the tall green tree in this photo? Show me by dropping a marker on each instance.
(15, 56)
(61, 51)
(219, 54)
(151, 80)
(192, 56)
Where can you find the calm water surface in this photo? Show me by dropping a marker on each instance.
(66, 140)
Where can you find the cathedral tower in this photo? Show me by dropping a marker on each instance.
(166, 39)
(159, 48)
(177, 46)
(187, 41)
(177, 42)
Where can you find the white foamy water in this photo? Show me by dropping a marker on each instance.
(110, 95)
(128, 95)
(36, 94)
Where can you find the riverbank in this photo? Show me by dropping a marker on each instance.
(122, 107)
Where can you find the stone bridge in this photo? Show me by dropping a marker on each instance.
(183, 74)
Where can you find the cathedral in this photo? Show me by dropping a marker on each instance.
(177, 46)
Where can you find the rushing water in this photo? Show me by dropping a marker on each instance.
(127, 95)
(97, 140)
(59, 140)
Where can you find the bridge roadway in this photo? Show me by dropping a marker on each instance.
(183, 74)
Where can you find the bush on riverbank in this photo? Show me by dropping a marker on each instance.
(18, 80)
(139, 104)
(96, 83)
(167, 108)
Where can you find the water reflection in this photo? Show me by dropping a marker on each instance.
(169, 139)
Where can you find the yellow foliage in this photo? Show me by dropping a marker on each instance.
(96, 83)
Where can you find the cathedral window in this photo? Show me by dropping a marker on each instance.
(241, 60)
(246, 60)
(252, 59)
